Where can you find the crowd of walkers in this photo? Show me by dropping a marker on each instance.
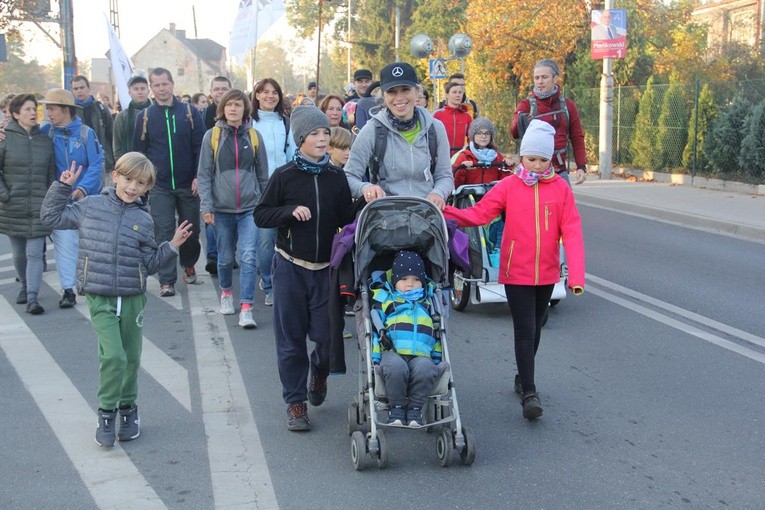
(268, 180)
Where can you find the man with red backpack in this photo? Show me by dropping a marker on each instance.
(546, 103)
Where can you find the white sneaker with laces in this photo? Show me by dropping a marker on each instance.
(227, 304)
(245, 319)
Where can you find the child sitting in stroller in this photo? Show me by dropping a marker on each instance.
(404, 344)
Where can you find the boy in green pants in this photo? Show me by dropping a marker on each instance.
(117, 252)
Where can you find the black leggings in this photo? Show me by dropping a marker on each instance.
(528, 305)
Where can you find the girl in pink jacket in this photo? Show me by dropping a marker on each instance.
(539, 209)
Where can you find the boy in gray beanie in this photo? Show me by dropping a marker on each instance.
(305, 119)
(307, 201)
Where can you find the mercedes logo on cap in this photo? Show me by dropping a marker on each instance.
(397, 72)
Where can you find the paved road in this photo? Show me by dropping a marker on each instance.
(652, 384)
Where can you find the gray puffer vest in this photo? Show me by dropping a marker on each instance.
(117, 247)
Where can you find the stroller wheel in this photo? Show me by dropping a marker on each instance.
(358, 450)
(353, 417)
(444, 447)
(460, 293)
(467, 454)
(382, 451)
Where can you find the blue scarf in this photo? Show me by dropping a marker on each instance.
(309, 166)
(86, 103)
(410, 295)
(485, 156)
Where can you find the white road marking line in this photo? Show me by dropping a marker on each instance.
(109, 474)
(240, 476)
(170, 374)
(669, 321)
(719, 326)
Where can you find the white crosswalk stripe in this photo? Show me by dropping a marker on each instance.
(110, 476)
(162, 368)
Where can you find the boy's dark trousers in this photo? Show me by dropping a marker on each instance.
(301, 311)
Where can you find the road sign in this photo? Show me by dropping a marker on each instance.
(437, 69)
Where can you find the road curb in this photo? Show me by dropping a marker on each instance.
(691, 220)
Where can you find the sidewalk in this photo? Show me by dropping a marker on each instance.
(737, 214)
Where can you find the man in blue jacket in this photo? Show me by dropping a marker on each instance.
(170, 133)
(76, 144)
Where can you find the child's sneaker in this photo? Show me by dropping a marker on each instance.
(245, 319)
(298, 417)
(414, 417)
(396, 415)
(105, 434)
(227, 304)
(130, 423)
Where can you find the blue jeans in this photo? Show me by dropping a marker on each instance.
(266, 242)
(212, 243)
(66, 244)
(237, 229)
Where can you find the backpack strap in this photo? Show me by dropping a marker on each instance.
(433, 148)
(286, 121)
(145, 128)
(189, 115)
(215, 141)
(381, 143)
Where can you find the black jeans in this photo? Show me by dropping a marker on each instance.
(163, 205)
(528, 305)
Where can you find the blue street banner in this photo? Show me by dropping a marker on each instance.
(253, 19)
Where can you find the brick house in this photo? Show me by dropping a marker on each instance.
(732, 22)
(193, 62)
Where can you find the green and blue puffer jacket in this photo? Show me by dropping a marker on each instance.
(408, 324)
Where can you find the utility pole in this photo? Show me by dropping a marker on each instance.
(606, 123)
(66, 19)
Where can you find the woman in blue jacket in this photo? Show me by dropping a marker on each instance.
(272, 122)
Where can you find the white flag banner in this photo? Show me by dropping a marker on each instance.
(122, 67)
(253, 19)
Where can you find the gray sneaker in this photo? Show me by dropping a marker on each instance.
(105, 435)
(245, 319)
(227, 304)
(130, 424)
(269, 301)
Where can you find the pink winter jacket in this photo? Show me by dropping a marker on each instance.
(536, 219)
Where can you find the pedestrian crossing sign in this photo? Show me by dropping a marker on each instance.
(437, 69)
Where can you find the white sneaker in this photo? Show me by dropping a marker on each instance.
(246, 320)
(227, 305)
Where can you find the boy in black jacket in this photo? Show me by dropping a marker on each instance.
(307, 200)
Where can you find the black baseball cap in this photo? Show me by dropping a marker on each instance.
(361, 74)
(311, 85)
(137, 79)
(397, 73)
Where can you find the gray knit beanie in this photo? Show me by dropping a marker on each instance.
(305, 119)
(538, 140)
(548, 63)
(480, 124)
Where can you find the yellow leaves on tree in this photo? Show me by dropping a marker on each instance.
(512, 35)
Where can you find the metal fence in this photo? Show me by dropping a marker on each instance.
(663, 140)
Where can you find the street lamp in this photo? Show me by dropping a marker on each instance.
(459, 45)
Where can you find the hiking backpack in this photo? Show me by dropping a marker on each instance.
(215, 141)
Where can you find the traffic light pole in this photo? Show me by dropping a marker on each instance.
(66, 15)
